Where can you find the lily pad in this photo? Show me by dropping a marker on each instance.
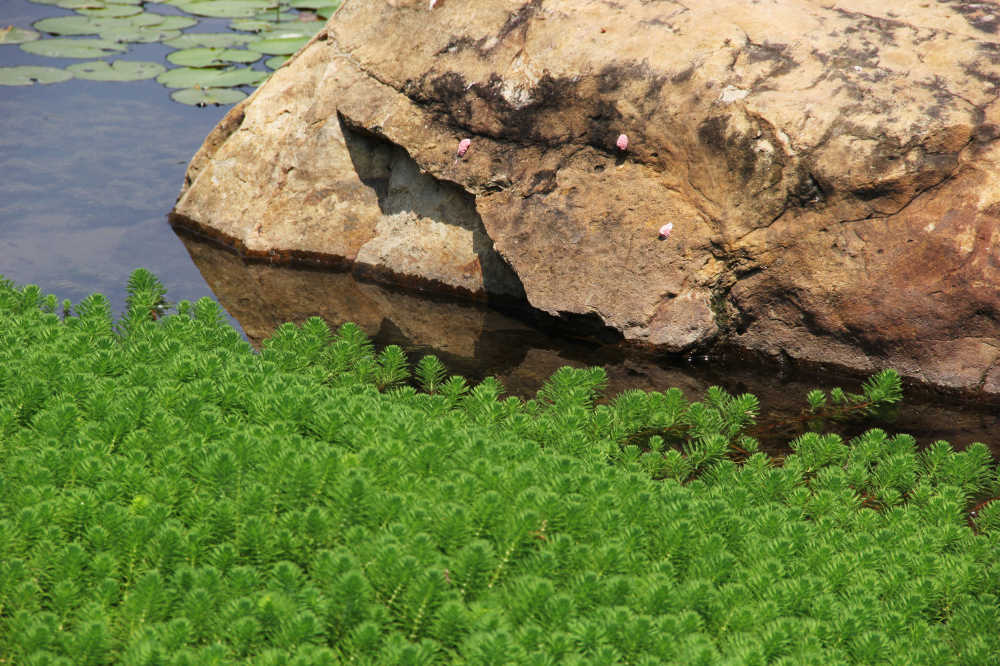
(140, 35)
(111, 11)
(279, 45)
(314, 4)
(276, 17)
(206, 57)
(212, 40)
(190, 77)
(275, 62)
(252, 25)
(14, 35)
(93, 4)
(297, 29)
(119, 70)
(224, 8)
(86, 25)
(174, 22)
(61, 47)
(207, 96)
(326, 12)
(26, 76)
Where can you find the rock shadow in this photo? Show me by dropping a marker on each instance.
(405, 192)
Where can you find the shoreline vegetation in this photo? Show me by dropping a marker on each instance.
(170, 496)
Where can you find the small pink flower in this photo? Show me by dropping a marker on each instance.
(622, 142)
(463, 146)
(665, 230)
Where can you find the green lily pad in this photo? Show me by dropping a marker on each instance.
(252, 25)
(297, 29)
(326, 12)
(140, 35)
(206, 57)
(211, 40)
(93, 4)
(26, 76)
(119, 70)
(174, 22)
(190, 77)
(279, 45)
(111, 11)
(61, 47)
(224, 8)
(274, 62)
(314, 4)
(14, 35)
(81, 4)
(273, 17)
(86, 25)
(207, 96)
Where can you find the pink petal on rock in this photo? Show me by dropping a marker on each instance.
(622, 142)
(665, 230)
(463, 146)
(433, 2)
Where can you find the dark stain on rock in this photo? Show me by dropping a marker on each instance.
(774, 53)
(449, 87)
(682, 76)
(519, 18)
(807, 192)
(458, 44)
(984, 17)
(986, 133)
(604, 121)
(876, 192)
(611, 77)
(542, 182)
(736, 149)
(520, 124)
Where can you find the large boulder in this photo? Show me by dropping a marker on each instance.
(831, 170)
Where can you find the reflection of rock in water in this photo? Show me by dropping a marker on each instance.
(476, 341)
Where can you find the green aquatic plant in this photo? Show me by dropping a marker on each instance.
(98, 29)
(169, 495)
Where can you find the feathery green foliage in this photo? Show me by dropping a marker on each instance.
(167, 495)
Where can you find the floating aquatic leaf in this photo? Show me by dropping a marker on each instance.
(81, 4)
(26, 76)
(111, 11)
(279, 45)
(275, 62)
(119, 70)
(314, 4)
(213, 40)
(190, 77)
(207, 96)
(139, 35)
(93, 4)
(14, 35)
(224, 8)
(207, 57)
(252, 25)
(276, 17)
(85, 25)
(326, 12)
(174, 22)
(61, 47)
(297, 29)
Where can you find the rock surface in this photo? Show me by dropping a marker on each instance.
(831, 169)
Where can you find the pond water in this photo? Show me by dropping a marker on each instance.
(90, 171)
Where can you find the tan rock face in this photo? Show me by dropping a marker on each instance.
(831, 169)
